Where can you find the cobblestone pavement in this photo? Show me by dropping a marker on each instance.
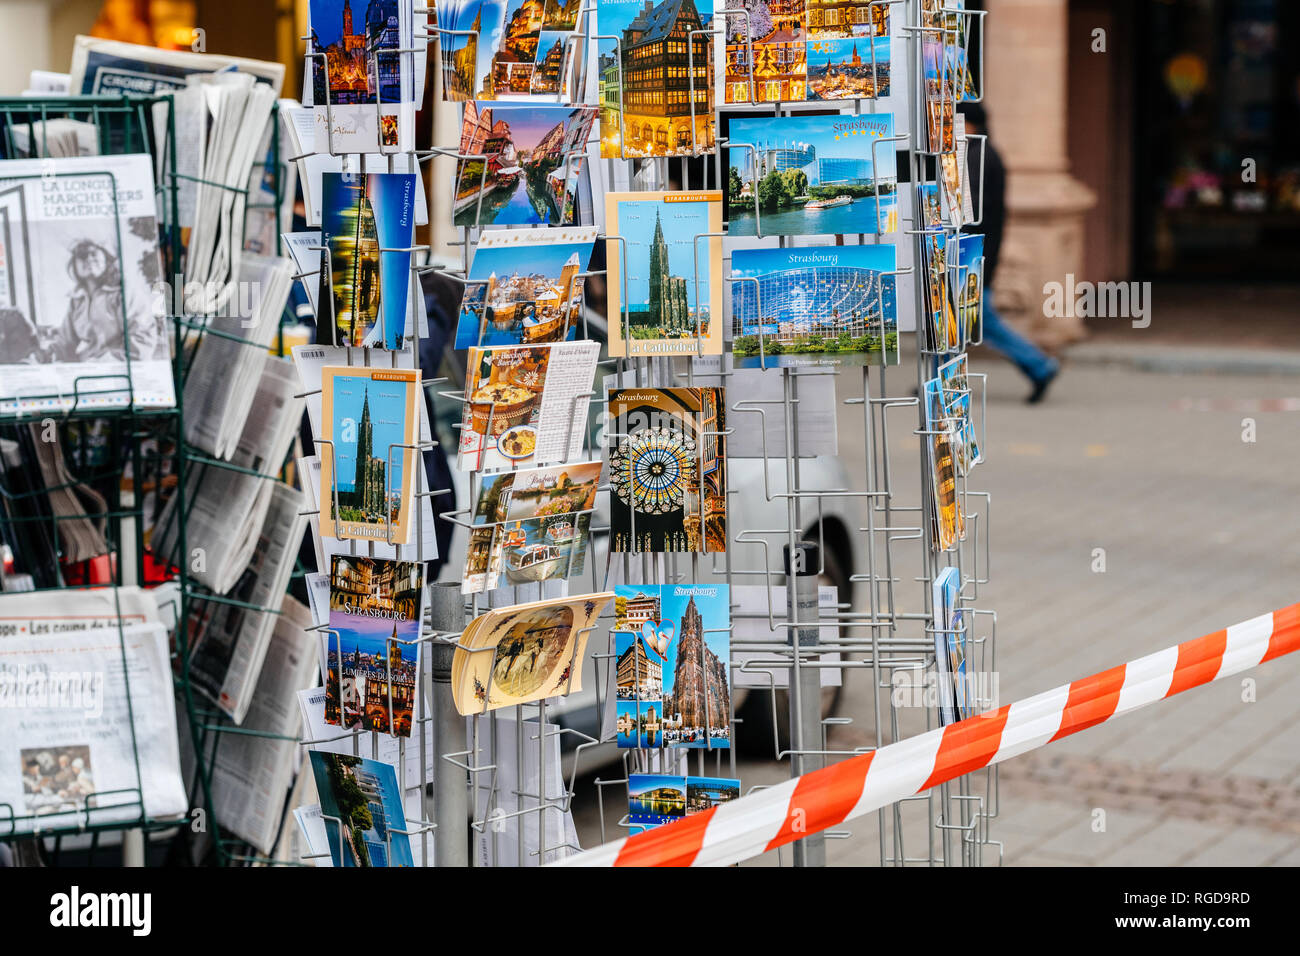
(1199, 531)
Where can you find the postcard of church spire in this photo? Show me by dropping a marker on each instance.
(363, 86)
(673, 665)
(665, 252)
(369, 420)
(372, 643)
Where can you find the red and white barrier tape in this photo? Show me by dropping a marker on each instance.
(825, 798)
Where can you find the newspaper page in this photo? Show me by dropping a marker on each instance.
(231, 638)
(251, 775)
(83, 749)
(79, 266)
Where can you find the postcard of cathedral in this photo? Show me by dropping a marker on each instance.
(525, 286)
(664, 250)
(372, 643)
(369, 419)
(667, 470)
(684, 644)
(363, 85)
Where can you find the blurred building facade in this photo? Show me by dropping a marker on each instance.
(1143, 139)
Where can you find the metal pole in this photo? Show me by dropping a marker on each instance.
(450, 785)
(801, 564)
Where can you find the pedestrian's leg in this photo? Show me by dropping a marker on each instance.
(1037, 366)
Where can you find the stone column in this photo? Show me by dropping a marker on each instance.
(1026, 79)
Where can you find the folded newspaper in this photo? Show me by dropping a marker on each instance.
(89, 726)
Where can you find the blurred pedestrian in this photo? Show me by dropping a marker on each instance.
(1037, 366)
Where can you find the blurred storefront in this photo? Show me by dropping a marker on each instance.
(1144, 139)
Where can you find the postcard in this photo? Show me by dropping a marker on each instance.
(950, 647)
(683, 642)
(705, 793)
(526, 405)
(667, 470)
(482, 561)
(814, 305)
(372, 643)
(361, 806)
(940, 94)
(673, 278)
(949, 525)
(529, 551)
(650, 103)
(812, 175)
(462, 21)
(848, 69)
(774, 31)
(358, 69)
(943, 332)
(522, 163)
(838, 18)
(368, 222)
(957, 403)
(969, 284)
(534, 492)
(369, 419)
(525, 286)
(654, 799)
(525, 652)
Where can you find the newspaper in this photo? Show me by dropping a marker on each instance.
(34, 614)
(230, 635)
(85, 751)
(219, 389)
(109, 66)
(79, 325)
(251, 774)
(218, 548)
(240, 111)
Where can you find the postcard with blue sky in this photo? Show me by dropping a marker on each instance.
(812, 175)
(814, 305)
(368, 416)
(524, 287)
(521, 163)
(673, 282)
(687, 627)
(654, 799)
(361, 804)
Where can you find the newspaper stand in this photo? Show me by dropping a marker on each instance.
(143, 445)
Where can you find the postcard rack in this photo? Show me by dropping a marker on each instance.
(129, 455)
(881, 640)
